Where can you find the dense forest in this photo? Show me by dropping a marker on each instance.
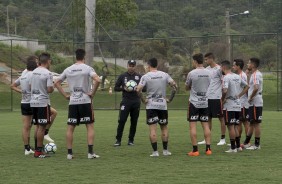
(170, 22)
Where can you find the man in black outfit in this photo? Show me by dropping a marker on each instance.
(130, 103)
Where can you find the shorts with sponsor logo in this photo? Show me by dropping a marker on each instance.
(26, 109)
(255, 114)
(215, 108)
(80, 114)
(244, 114)
(197, 114)
(41, 115)
(231, 117)
(157, 116)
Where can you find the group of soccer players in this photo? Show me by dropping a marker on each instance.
(215, 92)
(235, 98)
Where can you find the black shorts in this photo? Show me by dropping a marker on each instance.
(255, 114)
(244, 114)
(231, 117)
(80, 114)
(26, 109)
(197, 114)
(41, 115)
(157, 116)
(215, 108)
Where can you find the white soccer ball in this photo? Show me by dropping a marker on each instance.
(50, 148)
(130, 85)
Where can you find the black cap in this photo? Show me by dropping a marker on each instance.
(131, 62)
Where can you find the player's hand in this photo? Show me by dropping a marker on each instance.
(125, 89)
(67, 97)
(90, 94)
(250, 100)
(167, 100)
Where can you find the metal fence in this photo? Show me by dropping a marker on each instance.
(174, 55)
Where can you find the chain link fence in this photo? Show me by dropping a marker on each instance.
(174, 55)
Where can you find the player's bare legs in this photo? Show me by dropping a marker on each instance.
(223, 131)
(26, 134)
(52, 118)
(232, 135)
(69, 137)
(40, 136)
(164, 130)
(90, 133)
(153, 139)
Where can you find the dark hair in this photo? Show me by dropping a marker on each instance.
(239, 62)
(255, 61)
(226, 64)
(199, 58)
(44, 58)
(209, 55)
(31, 63)
(153, 62)
(80, 54)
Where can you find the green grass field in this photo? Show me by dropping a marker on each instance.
(132, 164)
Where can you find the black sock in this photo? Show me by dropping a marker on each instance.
(237, 140)
(257, 141)
(46, 131)
(165, 145)
(35, 143)
(248, 138)
(208, 147)
(90, 149)
(195, 148)
(70, 151)
(154, 146)
(27, 147)
(222, 137)
(232, 141)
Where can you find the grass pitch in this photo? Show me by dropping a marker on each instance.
(127, 164)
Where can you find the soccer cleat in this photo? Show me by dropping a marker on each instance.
(118, 143)
(130, 143)
(193, 154)
(48, 138)
(91, 156)
(254, 147)
(239, 149)
(166, 153)
(221, 142)
(202, 142)
(26, 152)
(39, 154)
(70, 156)
(208, 152)
(155, 154)
(245, 146)
(231, 151)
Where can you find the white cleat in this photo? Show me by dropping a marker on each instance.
(69, 157)
(155, 154)
(254, 147)
(166, 153)
(221, 142)
(231, 151)
(91, 156)
(245, 146)
(239, 149)
(26, 152)
(202, 142)
(48, 138)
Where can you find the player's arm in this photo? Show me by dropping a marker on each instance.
(245, 90)
(50, 85)
(14, 87)
(118, 85)
(58, 85)
(139, 92)
(224, 89)
(95, 83)
(256, 88)
(174, 88)
(188, 83)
